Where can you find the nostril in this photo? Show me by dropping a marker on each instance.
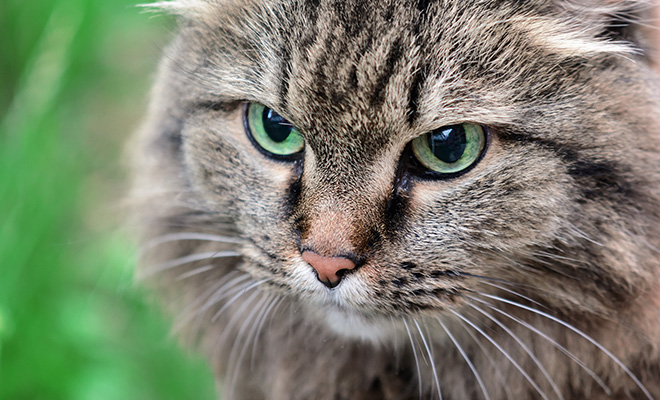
(329, 270)
(330, 284)
(342, 272)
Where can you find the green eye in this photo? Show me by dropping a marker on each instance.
(450, 149)
(271, 132)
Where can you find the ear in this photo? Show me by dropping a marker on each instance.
(654, 36)
(636, 22)
(187, 9)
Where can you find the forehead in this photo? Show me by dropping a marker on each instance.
(392, 67)
(382, 68)
(360, 66)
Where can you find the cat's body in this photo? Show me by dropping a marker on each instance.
(347, 270)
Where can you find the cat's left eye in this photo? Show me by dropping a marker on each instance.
(451, 149)
(271, 133)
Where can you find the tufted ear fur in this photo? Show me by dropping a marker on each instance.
(620, 21)
(198, 10)
(654, 35)
(178, 7)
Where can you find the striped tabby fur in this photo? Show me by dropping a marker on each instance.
(535, 275)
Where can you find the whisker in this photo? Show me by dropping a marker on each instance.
(583, 335)
(236, 296)
(225, 290)
(412, 343)
(274, 305)
(488, 278)
(215, 286)
(428, 351)
(561, 348)
(467, 360)
(175, 237)
(531, 355)
(581, 234)
(236, 317)
(494, 365)
(186, 260)
(513, 292)
(257, 310)
(237, 362)
(194, 272)
(498, 280)
(215, 293)
(553, 256)
(507, 355)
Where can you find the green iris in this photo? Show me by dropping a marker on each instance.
(450, 149)
(272, 132)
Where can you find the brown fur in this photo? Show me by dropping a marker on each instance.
(561, 215)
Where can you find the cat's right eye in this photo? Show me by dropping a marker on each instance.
(271, 133)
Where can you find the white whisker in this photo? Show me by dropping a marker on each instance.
(175, 237)
(553, 256)
(513, 292)
(272, 306)
(531, 355)
(236, 316)
(224, 291)
(236, 296)
(582, 334)
(467, 360)
(186, 260)
(412, 343)
(194, 272)
(235, 363)
(428, 351)
(189, 311)
(507, 355)
(494, 365)
(219, 293)
(561, 348)
(581, 234)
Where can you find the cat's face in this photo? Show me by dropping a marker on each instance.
(554, 189)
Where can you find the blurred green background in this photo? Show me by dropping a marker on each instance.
(74, 78)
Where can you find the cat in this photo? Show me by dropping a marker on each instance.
(408, 199)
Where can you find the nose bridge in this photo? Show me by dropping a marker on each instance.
(342, 201)
(339, 215)
(333, 225)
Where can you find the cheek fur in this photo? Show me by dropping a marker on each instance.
(532, 275)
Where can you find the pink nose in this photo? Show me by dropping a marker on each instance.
(328, 269)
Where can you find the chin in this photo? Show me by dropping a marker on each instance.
(358, 326)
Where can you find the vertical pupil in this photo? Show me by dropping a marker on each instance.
(447, 144)
(277, 128)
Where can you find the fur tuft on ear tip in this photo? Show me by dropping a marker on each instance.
(630, 23)
(607, 5)
(184, 8)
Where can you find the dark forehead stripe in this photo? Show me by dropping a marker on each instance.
(356, 27)
(292, 38)
(415, 93)
(393, 57)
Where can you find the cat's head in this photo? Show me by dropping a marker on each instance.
(384, 159)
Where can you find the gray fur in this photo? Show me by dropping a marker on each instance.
(562, 214)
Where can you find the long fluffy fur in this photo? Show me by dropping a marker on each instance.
(533, 275)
